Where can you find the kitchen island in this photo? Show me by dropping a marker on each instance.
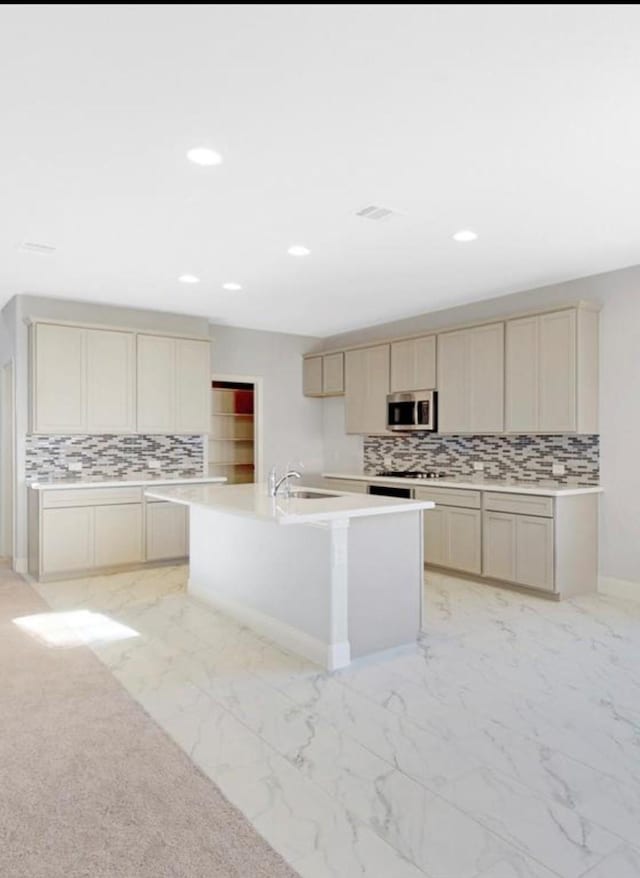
(329, 575)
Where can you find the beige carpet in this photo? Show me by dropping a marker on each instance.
(90, 786)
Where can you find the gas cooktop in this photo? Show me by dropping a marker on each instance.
(413, 474)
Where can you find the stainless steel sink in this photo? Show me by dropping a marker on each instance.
(311, 495)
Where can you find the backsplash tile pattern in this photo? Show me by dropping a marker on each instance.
(48, 457)
(522, 457)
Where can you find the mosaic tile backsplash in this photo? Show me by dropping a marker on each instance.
(525, 458)
(48, 457)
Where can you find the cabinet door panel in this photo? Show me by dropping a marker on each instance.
(367, 386)
(110, 382)
(312, 376)
(156, 384)
(499, 545)
(534, 552)
(333, 374)
(413, 364)
(59, 385)
(118, 535)
(522, 369)
(557, 351)
(464, 548)
(166, 531)
(486, 379)
(67, 540)
(435, 537)
(193, 385)
(453, 383)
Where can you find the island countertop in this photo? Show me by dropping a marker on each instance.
(253, 501)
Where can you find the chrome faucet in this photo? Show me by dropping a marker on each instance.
(277, 484)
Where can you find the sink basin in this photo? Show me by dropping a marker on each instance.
(311, 495)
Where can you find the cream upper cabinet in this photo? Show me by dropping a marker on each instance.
(323, 375)
(312, 376)
(333, 374)
(59, 381)
(173, 385)
(413, 364)
(471, 380)
(366, 389)
(552, 372)
(84, 380)
(193, 386)
(156, 384)
(111, 363)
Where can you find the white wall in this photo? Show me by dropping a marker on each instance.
(619, 294)
(292, 423)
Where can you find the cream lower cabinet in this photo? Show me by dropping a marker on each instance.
(519, 549)
(118, 535)
(452, 538)
(66, 540)
(167, 531)
(351, 486)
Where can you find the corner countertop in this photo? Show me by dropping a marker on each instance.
(63, 484)
(253, 501)
(550, 489)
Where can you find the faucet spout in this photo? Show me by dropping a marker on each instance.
(292, 474)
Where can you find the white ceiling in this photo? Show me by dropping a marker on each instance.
(520, 122)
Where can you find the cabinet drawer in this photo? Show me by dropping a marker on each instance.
(351, 486)
(449, 497)
(519, 504)
(90, 497)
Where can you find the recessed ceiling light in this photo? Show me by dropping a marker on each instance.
(232, 287)
(189, 279)
(465, 235)
(202, 155)
(298, 250)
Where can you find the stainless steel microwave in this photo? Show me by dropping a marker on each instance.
(412, 411)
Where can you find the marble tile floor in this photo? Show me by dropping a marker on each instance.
(506, 744)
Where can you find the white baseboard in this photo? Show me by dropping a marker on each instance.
(619, 588)
(329, 655)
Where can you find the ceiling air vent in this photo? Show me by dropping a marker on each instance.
(374, 212)
(33, 247)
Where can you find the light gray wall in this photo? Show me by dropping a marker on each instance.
(619, 294)
(292, 423)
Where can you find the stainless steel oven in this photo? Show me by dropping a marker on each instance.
(416, 410)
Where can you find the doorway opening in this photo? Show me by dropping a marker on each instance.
(233, 438)
(7, 463)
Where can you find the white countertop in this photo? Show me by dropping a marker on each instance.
(62, 484)
(509, 487)
(253, 501)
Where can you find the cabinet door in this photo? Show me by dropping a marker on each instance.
(193, 386)
(453, 382)
(118, 535)
(413, 364)
(351, 486)
(435, 536)
(534, 552)
(464, 541)
(557, 351)
(59, 385)
(522, 371)
(312, 376)
(67, 539)
(333, 374)
(499, 545)
(156, 396)
(110, 382)
(367, 386)
(166, 531)
(486, 379)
